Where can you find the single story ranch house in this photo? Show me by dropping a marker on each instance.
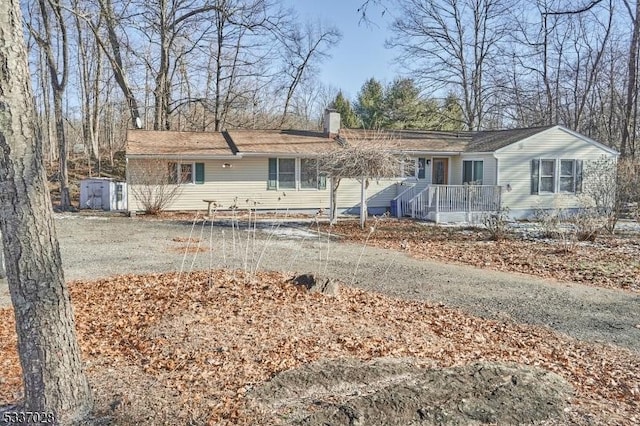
(457, 175)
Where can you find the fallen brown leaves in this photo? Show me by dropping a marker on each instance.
(189, 245)
(162, 351)
(611, 262)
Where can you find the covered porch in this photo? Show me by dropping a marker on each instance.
(448, 203)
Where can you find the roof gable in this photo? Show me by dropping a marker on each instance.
(576, 135)
(493, 140)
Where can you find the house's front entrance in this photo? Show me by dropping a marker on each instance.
(440, 171)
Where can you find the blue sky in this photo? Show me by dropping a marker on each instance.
(361, 53)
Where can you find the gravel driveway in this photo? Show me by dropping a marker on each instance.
(100, 246)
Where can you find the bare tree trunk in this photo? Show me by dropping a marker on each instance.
(162, 90)
(115, 57)
(89, 74)
(46, 125)
(221, 19)
(58, 84)
(54, 380)
(63, 155)
(631, 80)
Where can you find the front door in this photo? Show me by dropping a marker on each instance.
(440, 171)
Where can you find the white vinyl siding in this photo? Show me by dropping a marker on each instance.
(232, 182)
(489, 168)
(515, 168)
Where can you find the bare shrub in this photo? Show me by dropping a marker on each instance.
(600, 185)
(549, 222)
(152, 185)
(614, 188)
(497, 224)
(570, 226)
(363, 156)
(585, 224)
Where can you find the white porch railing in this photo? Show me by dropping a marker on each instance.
(402, 200)
(436, 199)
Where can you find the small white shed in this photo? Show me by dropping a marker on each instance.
(103, 194)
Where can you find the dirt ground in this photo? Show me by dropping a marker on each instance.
(95, 246)
(390, 391)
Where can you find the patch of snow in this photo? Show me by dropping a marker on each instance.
(288, 232)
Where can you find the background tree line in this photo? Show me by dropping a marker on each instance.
(516, 63)
(399, 105)
(101, 66)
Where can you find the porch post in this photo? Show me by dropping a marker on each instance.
(363, 202)
(437, 204)
(331, 212)
(469, 203)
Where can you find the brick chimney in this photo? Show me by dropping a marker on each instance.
(331, 124)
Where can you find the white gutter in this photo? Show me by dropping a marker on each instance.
(184, 157)
(280, 154)
(472, 153)
(435, 153)
(306, 154)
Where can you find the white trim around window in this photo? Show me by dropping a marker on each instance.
(283, 169)
(185, 172)
(474, 174)
(556, 175)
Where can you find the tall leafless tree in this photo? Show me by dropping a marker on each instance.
(89, 57)
(453, 44)
(54, 380)
(53, 41)
(303, 48)
(627, 145)
(104, 24)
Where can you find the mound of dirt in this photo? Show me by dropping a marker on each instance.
(400, 392)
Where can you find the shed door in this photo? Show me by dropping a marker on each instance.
(95, 196)
(440, 171)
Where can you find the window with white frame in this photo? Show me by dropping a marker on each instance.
(473, 171)
(295, 173)
(286, 173)
(183, 173)
(570, 176)
(550, 176)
